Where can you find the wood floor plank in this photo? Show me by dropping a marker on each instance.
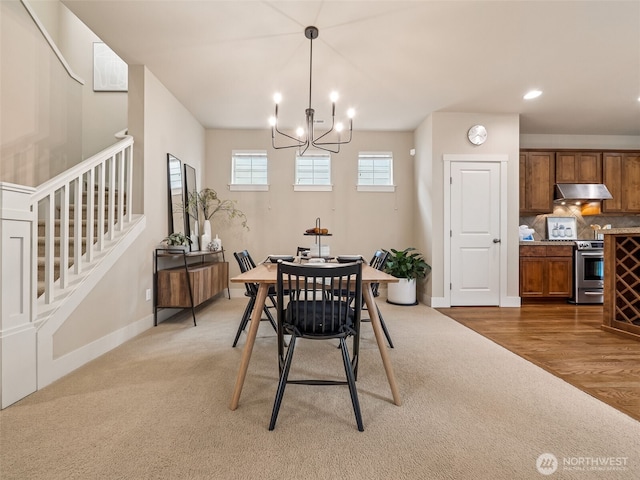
(567, 341)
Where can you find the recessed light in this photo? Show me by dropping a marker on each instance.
(532, 94)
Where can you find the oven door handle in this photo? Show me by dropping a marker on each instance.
(591, 254)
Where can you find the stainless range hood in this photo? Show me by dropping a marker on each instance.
(586, 192)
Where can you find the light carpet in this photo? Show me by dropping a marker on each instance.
(157, 407)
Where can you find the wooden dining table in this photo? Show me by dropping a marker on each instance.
(265, 275)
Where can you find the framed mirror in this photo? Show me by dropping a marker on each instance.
(191, 190)
(176, 195)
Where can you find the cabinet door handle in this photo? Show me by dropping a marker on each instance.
(496, 240)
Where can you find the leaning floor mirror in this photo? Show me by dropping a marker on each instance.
(181, 187)
(191, 196)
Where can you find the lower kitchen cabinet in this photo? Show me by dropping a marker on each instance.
(546, 271)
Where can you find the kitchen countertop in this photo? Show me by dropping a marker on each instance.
(620, 231)
(550, 242)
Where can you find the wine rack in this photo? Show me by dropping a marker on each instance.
(622, 284)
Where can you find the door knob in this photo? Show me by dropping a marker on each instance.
(496, 240)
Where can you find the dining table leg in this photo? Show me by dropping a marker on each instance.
(380, 339)
(261, 297)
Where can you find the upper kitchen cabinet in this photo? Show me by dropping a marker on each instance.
(621, 175)
(578, 167)
(537, 177)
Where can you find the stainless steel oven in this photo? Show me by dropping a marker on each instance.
(588, 272)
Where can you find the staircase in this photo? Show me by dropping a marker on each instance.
(62, 203)
(58, 242)
(52, 226)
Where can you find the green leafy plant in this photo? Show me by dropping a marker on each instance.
(177, 239)
(205, 204)
(407, 263)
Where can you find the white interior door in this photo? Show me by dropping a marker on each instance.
(475, 233)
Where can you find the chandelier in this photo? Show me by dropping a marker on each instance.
(306, 137)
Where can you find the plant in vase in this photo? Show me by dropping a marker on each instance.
(408, 265)
(204, 205)
(177, 240)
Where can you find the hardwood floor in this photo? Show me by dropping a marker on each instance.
(566, 340)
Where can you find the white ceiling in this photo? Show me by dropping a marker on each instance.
(394, 61)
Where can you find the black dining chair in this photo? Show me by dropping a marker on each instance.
(378, 262)
(312, 312)
(246, 263)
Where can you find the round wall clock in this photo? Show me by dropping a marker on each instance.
(477, 134)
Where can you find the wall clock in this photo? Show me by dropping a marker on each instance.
(477, 134)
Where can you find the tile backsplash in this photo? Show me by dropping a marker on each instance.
(583, 223)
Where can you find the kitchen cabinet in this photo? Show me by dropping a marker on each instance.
(546, 271)
(578, 167)
(621, 175)
(537, 177)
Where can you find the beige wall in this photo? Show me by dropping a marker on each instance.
(40, 112)
(41, 128)
(446, 133)
(159, 125)
(360, 222)
(107, 110)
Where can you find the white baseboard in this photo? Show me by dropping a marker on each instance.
(76, 359)
(511, 302)
(439, 302)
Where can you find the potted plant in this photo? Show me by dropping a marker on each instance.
(408, 265)
(177, 240)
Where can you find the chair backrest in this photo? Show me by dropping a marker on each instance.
(312, 309)
(379, 259)
(246, 263)
(378, 262)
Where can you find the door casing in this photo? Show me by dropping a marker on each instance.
(448, 159)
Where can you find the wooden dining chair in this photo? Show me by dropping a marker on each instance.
(307, 309)
(246, 263)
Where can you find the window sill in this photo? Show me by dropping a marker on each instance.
(376, 188)
(248, 188)
(313, 188)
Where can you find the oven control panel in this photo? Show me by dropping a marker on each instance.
(589, 245)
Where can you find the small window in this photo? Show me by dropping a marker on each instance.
(313, 171)
(375, 172)
(249, 170)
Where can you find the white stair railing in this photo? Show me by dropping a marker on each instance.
(101, 184)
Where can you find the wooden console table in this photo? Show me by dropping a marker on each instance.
(188, 284)
(621, 312)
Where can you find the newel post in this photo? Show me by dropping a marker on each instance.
(17, 330)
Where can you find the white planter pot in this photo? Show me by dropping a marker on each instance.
(402, 292)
